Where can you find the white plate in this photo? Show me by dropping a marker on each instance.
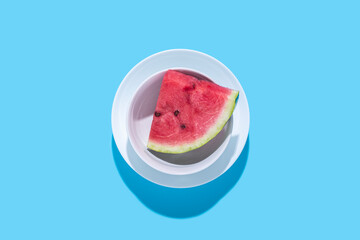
(180, 59)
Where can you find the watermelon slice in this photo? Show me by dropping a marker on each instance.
(189, 113)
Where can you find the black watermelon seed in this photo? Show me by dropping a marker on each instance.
(182, 126)
(157, 114)
(176, 112)
(193, 85)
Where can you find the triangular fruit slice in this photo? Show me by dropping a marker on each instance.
(189, 113)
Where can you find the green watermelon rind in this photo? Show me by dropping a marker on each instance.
(213, 131)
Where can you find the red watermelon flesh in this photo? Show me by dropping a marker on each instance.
(189, 113)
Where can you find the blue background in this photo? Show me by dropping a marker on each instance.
(61, 63)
